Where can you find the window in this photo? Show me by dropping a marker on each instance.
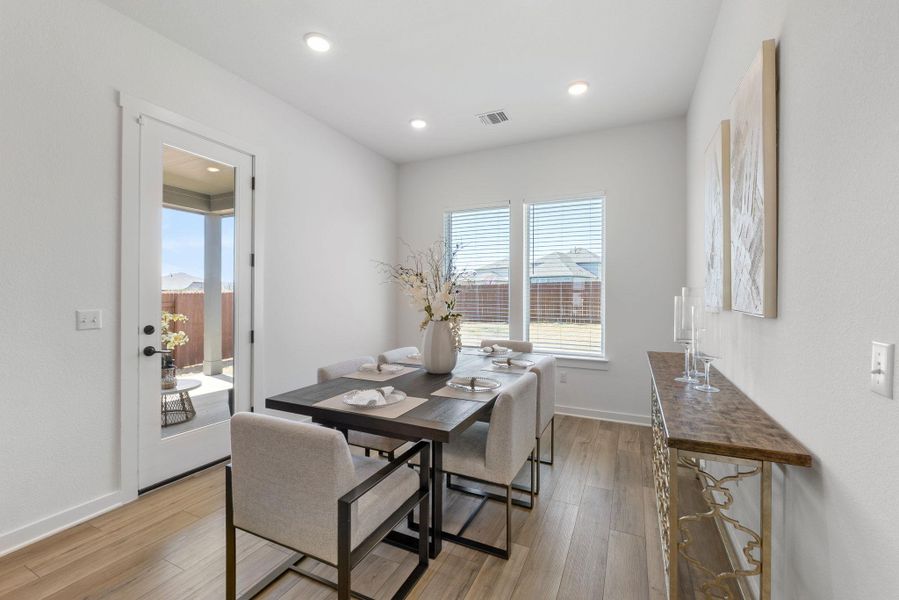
(481, 241)
(564, 276)
(555, 293)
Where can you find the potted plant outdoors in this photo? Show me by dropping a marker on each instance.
(171, 340)
(430, 281)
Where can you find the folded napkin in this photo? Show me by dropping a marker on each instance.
(373, 397)
(495, 349)
(513, 362)
(380, 368)
(472, 382)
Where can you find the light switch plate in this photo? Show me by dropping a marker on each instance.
(882, 368)
(88, 319)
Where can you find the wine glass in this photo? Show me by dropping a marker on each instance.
(683, 334)
(707, 350)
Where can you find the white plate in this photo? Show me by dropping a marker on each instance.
(385, 368)
(490, 352)
(516, 362)
(353, 399)
(473, 384)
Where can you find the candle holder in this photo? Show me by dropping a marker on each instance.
(684, 333)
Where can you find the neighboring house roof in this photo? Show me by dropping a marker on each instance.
(579, 263)
(559, 264)
(495, 272)
(180, 281)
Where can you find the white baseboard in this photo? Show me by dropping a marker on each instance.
(38, 530)
(603, 415)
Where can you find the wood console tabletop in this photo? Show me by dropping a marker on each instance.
(726, 423)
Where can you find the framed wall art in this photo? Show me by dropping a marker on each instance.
(753, 189)
(717, 220)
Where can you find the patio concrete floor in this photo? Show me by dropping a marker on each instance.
(210, 400)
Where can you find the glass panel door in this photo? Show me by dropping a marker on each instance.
(195, 299)
(197, 313)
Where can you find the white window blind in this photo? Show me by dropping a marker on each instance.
(481, 240)
(565, 270)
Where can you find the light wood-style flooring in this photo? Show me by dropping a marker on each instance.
(592, 534)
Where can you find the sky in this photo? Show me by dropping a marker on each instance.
(182, 244)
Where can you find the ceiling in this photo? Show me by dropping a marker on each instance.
(448, 60)
(187, 171)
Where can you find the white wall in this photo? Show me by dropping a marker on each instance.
(641, 170)
(329, 209)
(837, 531)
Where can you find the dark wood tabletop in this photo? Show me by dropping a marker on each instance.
(727, 423)
(439, 419)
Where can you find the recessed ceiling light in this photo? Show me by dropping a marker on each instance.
(213, 169)
(418, 123)
(578, 88)
(317, 42)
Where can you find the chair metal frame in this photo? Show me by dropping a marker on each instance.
(347, 556)
(388, 455)
(507, 499)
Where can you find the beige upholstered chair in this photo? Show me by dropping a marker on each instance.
(378, 443)
(344, 367)
(397, 355)
(515, 345)
(494, 452)
(297, 485)
(545, 369)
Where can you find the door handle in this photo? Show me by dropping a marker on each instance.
(150, 351)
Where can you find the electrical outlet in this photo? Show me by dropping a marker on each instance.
(882, 368)
(88, 319)
(563, 376)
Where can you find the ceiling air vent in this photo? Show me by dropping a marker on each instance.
(493, 118)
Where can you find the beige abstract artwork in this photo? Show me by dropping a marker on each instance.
(753, 191)
(717, 220)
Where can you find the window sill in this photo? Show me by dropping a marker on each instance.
(589, 363)
(572, 361)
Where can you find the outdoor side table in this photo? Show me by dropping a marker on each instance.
(176, 404)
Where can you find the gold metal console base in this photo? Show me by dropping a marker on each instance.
(674, 527)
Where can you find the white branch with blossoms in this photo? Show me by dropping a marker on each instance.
(430, 281)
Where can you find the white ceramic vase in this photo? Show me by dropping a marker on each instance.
(438, 355)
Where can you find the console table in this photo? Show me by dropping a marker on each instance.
(690, 427)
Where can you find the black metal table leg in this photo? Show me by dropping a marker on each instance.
(436, 498)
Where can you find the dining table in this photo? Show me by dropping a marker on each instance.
(439, 420)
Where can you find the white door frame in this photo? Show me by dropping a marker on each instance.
(132, 110)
